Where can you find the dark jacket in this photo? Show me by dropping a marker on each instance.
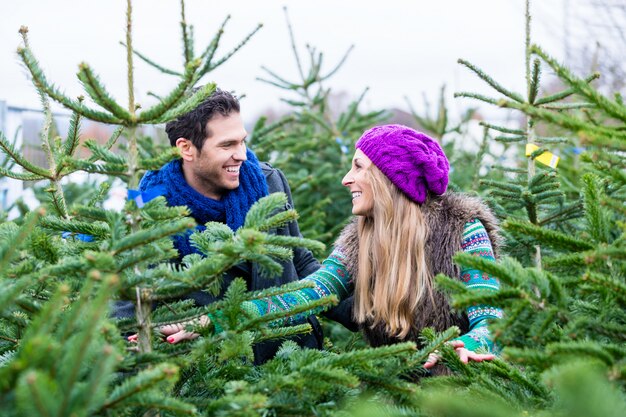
(302, 264)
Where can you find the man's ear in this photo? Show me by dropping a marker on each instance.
(186, 149)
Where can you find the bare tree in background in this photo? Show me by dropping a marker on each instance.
(594, 38)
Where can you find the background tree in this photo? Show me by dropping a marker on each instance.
(562, 336)
(314, 142)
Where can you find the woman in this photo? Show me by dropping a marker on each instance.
(406, 230)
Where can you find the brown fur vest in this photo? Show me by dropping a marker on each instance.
(445, 215)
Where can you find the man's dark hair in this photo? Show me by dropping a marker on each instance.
(193, 125)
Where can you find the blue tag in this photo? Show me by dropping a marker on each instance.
(79, 236)
(141, 198)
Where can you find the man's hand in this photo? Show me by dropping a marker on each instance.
(464, 354)
(176, 332)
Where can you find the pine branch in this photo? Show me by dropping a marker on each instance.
(260, 130)
(100, 195)
(259, 214)
(208, 66)
(148, 254)
(563, 213)
(152, 63)
(42, 84)
(582, 86)
(47, 319)
(594, 134)
(101, 153)
(94, 389)
(187, 41)
(547, 237)
(569, 106)
(153, 164)
(511, 139)
(504, 186)
(34, 394)
(513, 96)
(131, 389)
(144, 237)
(339, 65)
(158, 210)
(278, 252)
(364, 355)
(113, 138)
(73, 135)
(616, 287)
(479, 97)
(9, 150)
(578, 348)
(22, 176)
(281, 83)
(347, 117)
(542, 178)
(534, 82)
(317, 119)
(507, 270)
(130, 71)
(105, 169)
(469, 299)
(565, 93)
(185, 106)
(9, 248)
(76, 352)
(596, 215)
(157, 401)
(311, 307)
(433, 341)
(96, 90)
(503, 129)
(281, 332)
(174, 98)
(548, 197)
(551, 140)
(209, 52)
(11, 290)
(99, 230)
(283, 289)
(503, 168)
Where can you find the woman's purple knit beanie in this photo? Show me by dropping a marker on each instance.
(412, 161)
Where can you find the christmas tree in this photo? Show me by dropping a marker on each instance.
(563, 283)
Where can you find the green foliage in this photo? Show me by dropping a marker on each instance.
(561, 338)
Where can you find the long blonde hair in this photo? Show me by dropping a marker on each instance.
(393, 273)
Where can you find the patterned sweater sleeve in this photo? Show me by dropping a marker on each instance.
(476, 242)
(331, 279)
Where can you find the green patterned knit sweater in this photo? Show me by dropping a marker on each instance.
(333, 278)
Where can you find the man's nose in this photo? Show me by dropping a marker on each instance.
(240, 153)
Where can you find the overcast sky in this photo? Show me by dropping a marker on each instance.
(402, 48)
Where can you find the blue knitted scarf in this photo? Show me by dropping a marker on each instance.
(231, 209)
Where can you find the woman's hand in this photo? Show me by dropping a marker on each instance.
(176, 332)
(464, 354)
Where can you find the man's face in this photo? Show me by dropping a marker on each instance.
(215, 168)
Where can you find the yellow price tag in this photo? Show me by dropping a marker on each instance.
(546, 158)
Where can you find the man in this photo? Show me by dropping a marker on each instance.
(219, 179)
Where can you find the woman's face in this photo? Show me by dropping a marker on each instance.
(357, 180)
